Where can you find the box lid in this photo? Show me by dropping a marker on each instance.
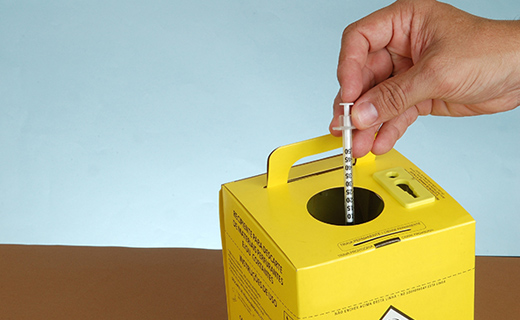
(282, 210)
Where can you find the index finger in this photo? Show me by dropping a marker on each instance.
(383, 29)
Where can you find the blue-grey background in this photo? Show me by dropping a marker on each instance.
(119, 120)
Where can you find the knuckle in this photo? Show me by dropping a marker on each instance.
(350, 28)
(393, 98)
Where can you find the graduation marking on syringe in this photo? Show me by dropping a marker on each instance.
(346, 127)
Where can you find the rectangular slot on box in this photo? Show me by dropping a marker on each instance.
(387, 242)
(382, 236)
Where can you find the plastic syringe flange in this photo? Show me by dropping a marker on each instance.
(345, 124)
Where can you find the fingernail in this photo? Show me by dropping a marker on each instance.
(366, 114)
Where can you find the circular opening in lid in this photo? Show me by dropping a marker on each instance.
(327, 206)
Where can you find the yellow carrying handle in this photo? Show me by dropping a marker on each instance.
(281, 159)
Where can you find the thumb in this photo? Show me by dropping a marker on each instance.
(390, 98)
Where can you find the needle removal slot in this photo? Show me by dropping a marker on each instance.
(406, 188)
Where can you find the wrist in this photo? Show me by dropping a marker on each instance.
(513, 58)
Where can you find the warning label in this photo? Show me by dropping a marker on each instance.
(259, 253)
(394, 314)
(427, 183)
(248, 293)
(255, 273)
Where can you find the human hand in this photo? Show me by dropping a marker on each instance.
(420, 57)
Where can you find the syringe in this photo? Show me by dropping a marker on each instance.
(347, 127)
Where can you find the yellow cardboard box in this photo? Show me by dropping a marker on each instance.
(288, 254)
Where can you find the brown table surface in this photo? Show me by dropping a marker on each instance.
(68, 282)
